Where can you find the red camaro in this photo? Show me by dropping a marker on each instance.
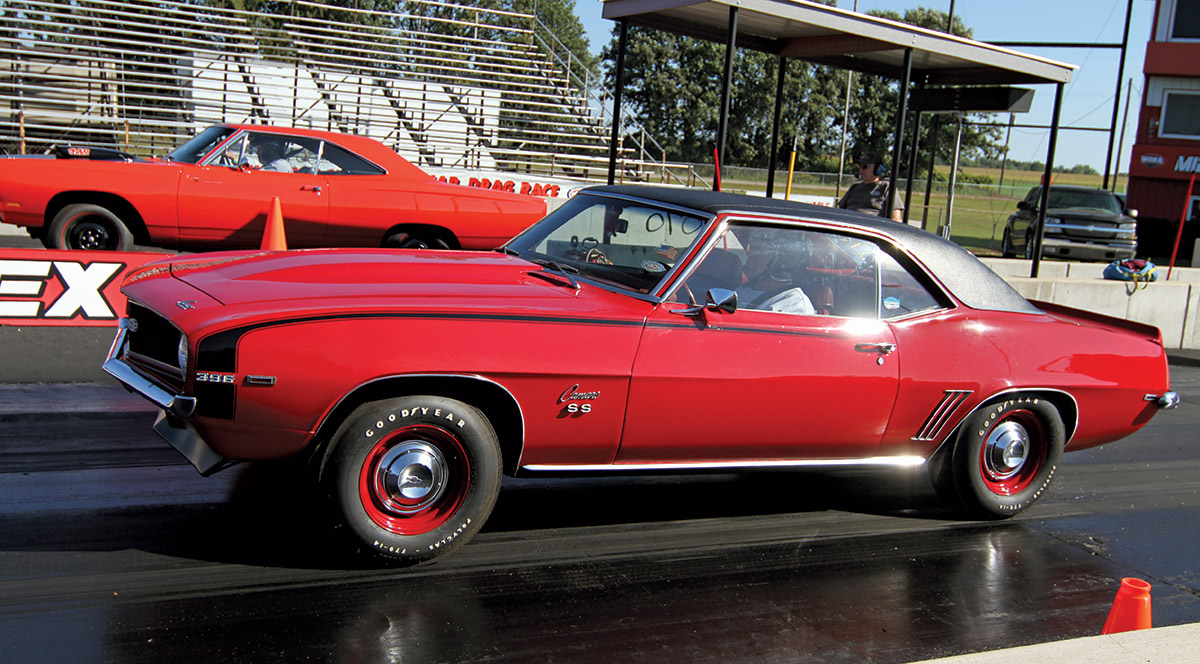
(633, 329)
(215, 191)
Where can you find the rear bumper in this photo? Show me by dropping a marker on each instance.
(172, 423)
(1164, 401)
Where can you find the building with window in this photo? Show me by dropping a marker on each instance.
(1166, 152)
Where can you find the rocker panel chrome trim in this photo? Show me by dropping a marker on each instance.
(894, 461)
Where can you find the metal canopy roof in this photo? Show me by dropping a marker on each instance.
(843, 39)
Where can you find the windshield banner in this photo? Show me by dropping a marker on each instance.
(68, 288)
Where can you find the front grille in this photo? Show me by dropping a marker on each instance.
(1082, 230)
(153, 337)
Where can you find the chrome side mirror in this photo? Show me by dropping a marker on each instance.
(721, 299)
(717, 299)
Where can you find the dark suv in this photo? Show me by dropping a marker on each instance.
(1081, 223)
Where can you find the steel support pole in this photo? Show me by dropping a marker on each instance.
(1121, 140)
(1046, 177)
(775, 128)
(1112, 134)
(933, 145)
(614, 142)
(726, 91)
(944, 230)
(912, 165)
(898, 147)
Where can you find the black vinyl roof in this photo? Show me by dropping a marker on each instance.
(843, 39)
(967, 279)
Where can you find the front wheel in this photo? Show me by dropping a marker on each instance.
(88, 227)
(1006, 250)
(414, 478)
(406, 240)
(1005, 456)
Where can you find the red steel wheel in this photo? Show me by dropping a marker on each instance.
(1012, 453)
(413, 478)
(1006, 455)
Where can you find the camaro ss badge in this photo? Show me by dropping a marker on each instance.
(186, 304)
(573, 395)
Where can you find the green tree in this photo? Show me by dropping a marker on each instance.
(874, 103)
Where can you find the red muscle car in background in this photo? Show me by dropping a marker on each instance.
(633, 329)
(215, 191)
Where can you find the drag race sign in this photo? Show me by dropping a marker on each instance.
(73, 288)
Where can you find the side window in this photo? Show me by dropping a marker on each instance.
(232, 154)
(900, 293)
(808, 272)
(788, 269)
(338, 161)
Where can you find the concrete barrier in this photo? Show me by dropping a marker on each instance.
(1171, 306)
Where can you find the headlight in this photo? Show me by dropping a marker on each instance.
(182, 353)
(1052, 225)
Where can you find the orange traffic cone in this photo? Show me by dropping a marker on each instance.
(1131, 608)
(273, 237)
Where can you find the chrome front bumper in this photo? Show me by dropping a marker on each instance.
(172, 424)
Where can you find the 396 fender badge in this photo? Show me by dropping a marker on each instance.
(186, 304)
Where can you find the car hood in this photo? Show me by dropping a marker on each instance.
(348, 280)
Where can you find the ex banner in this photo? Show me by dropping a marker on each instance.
(77, 288)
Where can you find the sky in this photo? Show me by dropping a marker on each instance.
(1087, 99)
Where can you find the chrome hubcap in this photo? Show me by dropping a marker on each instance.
(410, 477)
(1006, 450)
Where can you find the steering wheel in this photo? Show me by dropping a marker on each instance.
(594, 255)
(597, 257)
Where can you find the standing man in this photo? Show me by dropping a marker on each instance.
(869, 195)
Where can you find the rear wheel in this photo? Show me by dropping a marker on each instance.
(414, 478)
(88, 227)
(1005, 457)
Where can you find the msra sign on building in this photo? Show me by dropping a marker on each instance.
(1188, 164)
(1161, 161)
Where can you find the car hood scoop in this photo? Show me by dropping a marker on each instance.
(375, 279)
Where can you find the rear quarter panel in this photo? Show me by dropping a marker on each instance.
(1106, 370)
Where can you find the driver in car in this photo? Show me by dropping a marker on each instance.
(270, 155)
(773, 260)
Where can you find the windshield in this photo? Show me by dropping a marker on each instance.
(200, 145)
(1087, 200)
(628, 244)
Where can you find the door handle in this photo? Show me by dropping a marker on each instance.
(883, 348)
(316, 189)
